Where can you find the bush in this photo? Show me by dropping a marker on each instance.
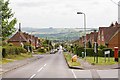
(10, 44)
(101, 47)
(11, 50)
(78, 50)
(4, 43)
(42, 50)
(4, 52)
(90, 52)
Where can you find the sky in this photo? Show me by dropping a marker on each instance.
(63, 13)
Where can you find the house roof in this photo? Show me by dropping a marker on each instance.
(118, 31)
(93, 36)
(19, 36)
(108, 32)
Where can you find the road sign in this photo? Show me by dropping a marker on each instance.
(107, 52)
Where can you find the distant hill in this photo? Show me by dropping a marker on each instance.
(57, 33)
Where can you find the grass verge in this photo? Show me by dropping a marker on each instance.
(101, 61)
(69, 60)
(0, 48)
(11, 58)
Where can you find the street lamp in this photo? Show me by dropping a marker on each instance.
(84, 29)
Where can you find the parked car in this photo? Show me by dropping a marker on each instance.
(52, 51)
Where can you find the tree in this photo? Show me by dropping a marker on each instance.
(1, 3)
(8, 22)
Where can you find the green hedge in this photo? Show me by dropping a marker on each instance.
(90, 51)
(78, 50)
(42, 50)
(11, 50)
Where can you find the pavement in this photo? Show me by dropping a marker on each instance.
(87, 65)
(16, 64)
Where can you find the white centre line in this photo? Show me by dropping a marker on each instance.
(37, 71)
(73, 74)
(32, 76)
(44, 65)
(41, 68)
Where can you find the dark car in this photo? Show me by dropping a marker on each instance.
(52, 52)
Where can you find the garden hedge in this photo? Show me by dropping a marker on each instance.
(90, 51)
(12, 50)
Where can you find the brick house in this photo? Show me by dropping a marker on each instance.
(22, 38)
(109, 36)
(115, 40)
(93, 37)
(81, 41)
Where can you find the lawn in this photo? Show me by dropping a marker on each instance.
(69, 60)
(11, 58)
(101, 61)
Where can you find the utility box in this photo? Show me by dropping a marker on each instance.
(74, 58)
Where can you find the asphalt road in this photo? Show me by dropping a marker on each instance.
(54, 66)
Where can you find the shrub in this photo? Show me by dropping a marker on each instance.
(78, 50)
(4, 43)
(42, 50)
(101, 47)
(90, 52)
(100, 53)
(10, 44)
(4, 52)
(11, 50)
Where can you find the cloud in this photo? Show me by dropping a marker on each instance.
(63, 12)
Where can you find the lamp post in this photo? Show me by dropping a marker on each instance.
(84, 29)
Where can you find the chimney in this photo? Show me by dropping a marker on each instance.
(116, 23)
(19, 27)
(112, 24)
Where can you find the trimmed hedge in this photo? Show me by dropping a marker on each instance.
(90, 51)
(42, 50)
(78, 50)
(11, 50)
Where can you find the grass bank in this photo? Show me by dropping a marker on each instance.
(101, 61)
(11, 58)
(69, 60)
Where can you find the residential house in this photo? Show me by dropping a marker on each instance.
(80, 41)
(22, 38)
(108, 36)
(93, 37)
